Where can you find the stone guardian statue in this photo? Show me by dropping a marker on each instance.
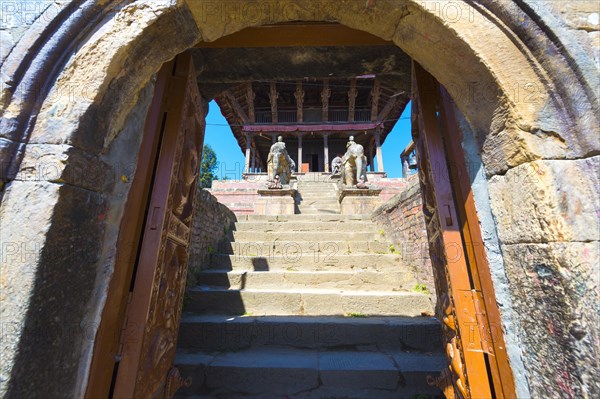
(354, 170)
(336, 166)
(279, 165)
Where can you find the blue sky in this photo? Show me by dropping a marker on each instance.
(231, 159)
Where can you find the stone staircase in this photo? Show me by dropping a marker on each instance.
(312, 305)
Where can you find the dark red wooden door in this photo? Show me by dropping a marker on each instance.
(149, 339)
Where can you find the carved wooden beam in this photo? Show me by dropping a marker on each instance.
(375, 95)
(352, 93)
(299, 94)
(236, 107)
(250, 101)
(325, 94)
(273, 96)
(386, 110)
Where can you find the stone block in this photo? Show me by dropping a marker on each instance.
(63, 163)
(548, 200)
(359, 201)
(8, 149)
(275, 202)
(51, 237)
(358, 370)
(555, 296)
(264, 371)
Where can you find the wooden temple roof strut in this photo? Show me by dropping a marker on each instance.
(325, 94)
(386, 110)
(299, 94)
(250, 101)
(375, 95)
(273, 96)
(352, 93)
(236, 106)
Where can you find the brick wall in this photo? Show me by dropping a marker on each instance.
(212, 223)
(401, 217)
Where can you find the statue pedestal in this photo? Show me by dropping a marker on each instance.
(354, 201)
(275, 202)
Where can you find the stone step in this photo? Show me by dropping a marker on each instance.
(317, 211)
(362, 226)
(341, 280)
(293, 258)
(319, 204)
(233, 206)
(303, 218)
(320, 201)
(302, 373)
(324, 207)
(217, 333)
(326, 194)
(317, 189)
(319, 183)
(323, 236)
(328, 248)
(307, 302)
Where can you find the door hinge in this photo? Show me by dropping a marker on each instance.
(476, 334)
(123, 332)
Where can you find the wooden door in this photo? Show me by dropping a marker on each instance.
(478, 363)
(149, 338)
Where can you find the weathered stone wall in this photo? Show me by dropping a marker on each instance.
(213, 222)
(553, 267)
(401, 218)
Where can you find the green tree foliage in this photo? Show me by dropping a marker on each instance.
(208, 167)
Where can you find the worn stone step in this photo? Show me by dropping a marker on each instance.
(328, 248)
(304, 218)
(362, 226)
(239, 205)
(318, 204)
(343, 280)
(316, 201)
(284, 372)
(307, 302)
(318, 183)
(293, 258)
(319, 212)
(324, 194)
(306, 236)
(218, 333)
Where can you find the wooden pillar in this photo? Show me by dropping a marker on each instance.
(299, 101)
(253, 160)
(299, 166)
(250, 101)
(326, 153)
(371, 158)
(273, 138)
(352, 93)
(375, 95)
(378, 149)
(248, 148)
(325, 94)
(273, 96)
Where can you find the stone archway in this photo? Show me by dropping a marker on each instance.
(529, 101)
